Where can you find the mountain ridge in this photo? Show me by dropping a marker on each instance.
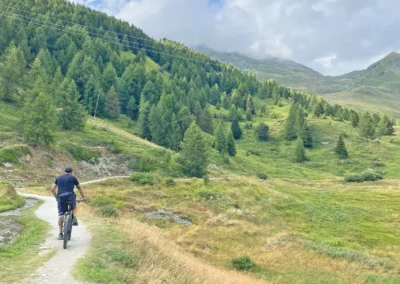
(360, 88)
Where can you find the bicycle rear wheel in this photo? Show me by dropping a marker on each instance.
(66, 231)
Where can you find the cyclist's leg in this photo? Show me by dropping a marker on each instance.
(62, 208)
(72, 201)
(74, 210)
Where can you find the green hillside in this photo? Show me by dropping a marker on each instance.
(377, 88)
(227, 172)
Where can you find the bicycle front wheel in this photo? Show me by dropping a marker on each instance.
(66, 231)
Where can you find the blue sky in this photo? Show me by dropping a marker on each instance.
(332, 36)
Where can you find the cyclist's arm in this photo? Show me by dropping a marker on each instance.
(80, 191)
(53, 190)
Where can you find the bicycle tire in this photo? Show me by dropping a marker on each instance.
(67, 221)
(70, 231)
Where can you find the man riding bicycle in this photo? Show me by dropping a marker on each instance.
(65, 194)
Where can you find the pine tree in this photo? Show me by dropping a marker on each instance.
(367, 126)
(262, 132)
(235, 128)
(12, 69)
(144, 125)
(300, 120)
(109, 77)
(185, 119)
(341, 149)
(132, 109)
(386, 126)
(306, 136)
(221, 142)
(355, 119)
(376, 119)
(231, 144)
(112, 107)
(300, 151)
(194, 157)
(319, 109)
(72, 115)
(206, 121)
(39, 120)
(290, 132)
(91, 96)
(250, 105)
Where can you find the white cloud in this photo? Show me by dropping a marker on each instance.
(329, 35)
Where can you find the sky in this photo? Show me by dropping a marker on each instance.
(331, 36)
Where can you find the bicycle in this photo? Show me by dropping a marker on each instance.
(67, 227)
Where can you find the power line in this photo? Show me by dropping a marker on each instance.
(108, 41)
(96, 35)
(33, 13)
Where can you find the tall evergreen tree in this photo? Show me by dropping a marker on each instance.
(144, 125)
(386, 126)
(290, 132)
(109, 77)
(185, 119)
(262, 132)
(250, 108)
(235, 128)
(72, 115)
(319, 109)
(300, 120)
(206, 121)
(300, 151)
(341, 149)
(306, 136)
(112, 107)
(39, 120)
(194, 157)
(132, 109)
(355, 119)
(92, 95)
(221, 142)
(366, 126)
(231, 144)
(12, 69)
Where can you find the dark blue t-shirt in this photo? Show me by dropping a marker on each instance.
(66, 184)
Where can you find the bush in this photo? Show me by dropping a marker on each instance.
(262, 176)
(116, 147)
(107, 211)
(362, 177)
(81, 154)
(242, 263)
(11, 154)
(143, 178)
(206, 179)
(170, 182)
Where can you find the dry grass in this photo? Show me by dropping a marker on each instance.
(161, 259)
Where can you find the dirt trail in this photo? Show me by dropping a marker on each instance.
(124, 133)
(58, 268)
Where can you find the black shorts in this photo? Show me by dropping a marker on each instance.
(63, 202)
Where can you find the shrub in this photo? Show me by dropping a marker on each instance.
(81, 154)
(116, 147)
(206, 179)
(11, 154)
(262, 176)
(365, 176)
(107, 211)
(170, 182)
(242, 263)
(143, 178)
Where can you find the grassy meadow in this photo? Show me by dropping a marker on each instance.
(325, 231)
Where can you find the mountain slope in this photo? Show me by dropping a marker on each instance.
(376, 88)
(285, 72)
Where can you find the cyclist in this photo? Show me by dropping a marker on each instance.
(65, 194)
